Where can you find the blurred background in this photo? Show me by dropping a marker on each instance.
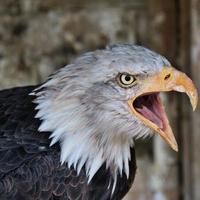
(39, 36)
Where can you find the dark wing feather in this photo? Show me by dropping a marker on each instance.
(19, 138)
(31, 170)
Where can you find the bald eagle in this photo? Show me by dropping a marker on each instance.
(72, 137)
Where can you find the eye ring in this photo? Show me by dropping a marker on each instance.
(126, 80)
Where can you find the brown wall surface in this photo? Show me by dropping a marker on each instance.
(195, 63)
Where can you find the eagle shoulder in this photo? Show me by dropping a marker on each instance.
(30, 168)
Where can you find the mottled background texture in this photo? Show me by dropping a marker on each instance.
(39, 36)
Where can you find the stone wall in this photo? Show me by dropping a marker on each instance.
(195, 62)
(38, 36)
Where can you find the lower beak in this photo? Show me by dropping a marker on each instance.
(169, 79)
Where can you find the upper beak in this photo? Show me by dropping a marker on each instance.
(169, 79)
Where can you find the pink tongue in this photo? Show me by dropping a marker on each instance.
(150, 116)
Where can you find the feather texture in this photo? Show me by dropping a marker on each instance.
(73, 136)
(31, 170)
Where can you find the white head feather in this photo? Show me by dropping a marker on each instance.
(87, 112)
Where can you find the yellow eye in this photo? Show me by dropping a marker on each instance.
(126, 80)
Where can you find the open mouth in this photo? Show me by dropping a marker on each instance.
(147, 105)
(149, 109)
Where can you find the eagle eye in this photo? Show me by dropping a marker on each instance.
(126, 80)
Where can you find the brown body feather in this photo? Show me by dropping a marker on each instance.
(31, 170)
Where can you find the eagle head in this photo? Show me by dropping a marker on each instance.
(98, 105)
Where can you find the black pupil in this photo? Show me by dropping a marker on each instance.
(167, 76)
(127, 78)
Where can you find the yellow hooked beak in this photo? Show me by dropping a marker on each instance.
(147, 105)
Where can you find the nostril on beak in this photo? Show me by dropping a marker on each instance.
(167, 77)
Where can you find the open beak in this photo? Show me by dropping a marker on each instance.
(147, 105)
